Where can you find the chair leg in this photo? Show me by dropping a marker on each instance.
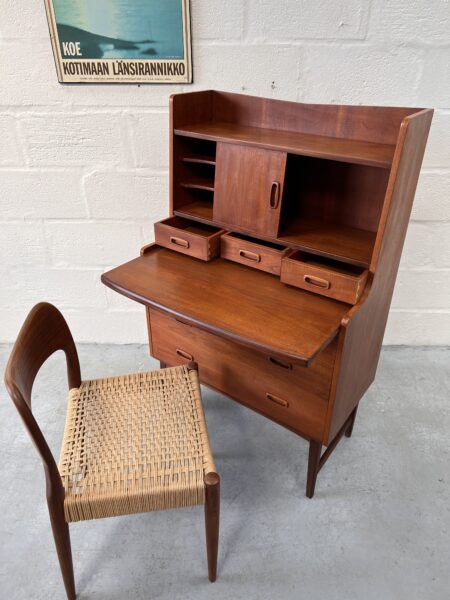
(315, 449)
(212, 512)
(61, 535)
(349, 430)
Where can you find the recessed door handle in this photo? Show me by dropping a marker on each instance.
(275, 195)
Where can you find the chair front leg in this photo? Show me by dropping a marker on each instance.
(212, 512)
(61, 535)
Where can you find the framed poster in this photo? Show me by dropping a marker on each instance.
(120, 41)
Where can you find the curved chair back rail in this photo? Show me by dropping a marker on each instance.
(44, 332)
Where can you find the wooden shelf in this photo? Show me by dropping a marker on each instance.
(198, 210)
(199, 184)
(174, 282)
(201, 160)
(348, 244)
(340, 149)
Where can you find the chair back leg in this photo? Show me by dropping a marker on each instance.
(212, 512)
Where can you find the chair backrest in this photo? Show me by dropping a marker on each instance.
(44, 332)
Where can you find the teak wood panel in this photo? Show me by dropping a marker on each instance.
(241, 304)
(353, 122)
(363, 328)
(294, 396)
(249, 188)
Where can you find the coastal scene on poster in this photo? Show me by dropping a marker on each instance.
(121, 40)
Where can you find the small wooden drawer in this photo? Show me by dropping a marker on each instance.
(189, 237)
(294, 396)
(254, 253)
(324, 276)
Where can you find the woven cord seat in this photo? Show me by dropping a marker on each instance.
(134, 443)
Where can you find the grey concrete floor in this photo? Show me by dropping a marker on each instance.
(377, 528)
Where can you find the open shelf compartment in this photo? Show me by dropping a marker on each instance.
(306, 144)
(198, 206)
(193, 178)
(332, 208)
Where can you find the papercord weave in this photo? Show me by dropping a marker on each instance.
(134, 443)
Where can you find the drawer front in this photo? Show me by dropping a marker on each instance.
(294, 396)
(346, 287)
(192, 239)
(246, 252)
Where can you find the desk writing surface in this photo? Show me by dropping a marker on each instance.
(243, 304)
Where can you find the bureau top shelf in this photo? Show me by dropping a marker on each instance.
(331, 148)
(245, 305)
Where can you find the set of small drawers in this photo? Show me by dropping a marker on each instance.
(313, 273)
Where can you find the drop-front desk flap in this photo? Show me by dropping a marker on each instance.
(250, 307)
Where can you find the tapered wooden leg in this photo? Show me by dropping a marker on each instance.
(212, 512)
(349, 430)
(315, 449)
(162, 365)
(62, 541)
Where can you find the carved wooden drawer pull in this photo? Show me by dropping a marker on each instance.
(250, 255)
(317, 281)
(184, 354)
(183, 322)
(280, 363)
(179, 242)
(277, 400)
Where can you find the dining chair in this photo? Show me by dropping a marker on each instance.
(132, 443)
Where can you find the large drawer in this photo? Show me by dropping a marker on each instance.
(294, 396)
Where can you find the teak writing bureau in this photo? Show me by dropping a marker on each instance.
(276, 269)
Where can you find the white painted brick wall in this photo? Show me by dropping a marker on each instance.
(130, 194)
(84, 169)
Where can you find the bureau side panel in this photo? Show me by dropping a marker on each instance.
(363, 329)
